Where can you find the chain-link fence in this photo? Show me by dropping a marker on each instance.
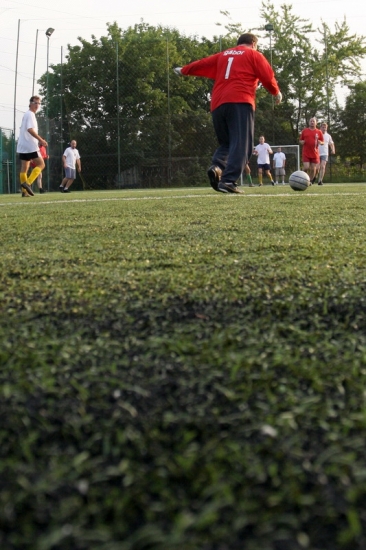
(7, 152)
(157, 152)
(165, 151)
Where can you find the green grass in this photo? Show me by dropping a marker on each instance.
(183, 370)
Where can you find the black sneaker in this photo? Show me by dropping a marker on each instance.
(313, 181)
(272, 183)
(42, 190)
(28, 188)
(66, 190)
(228, 187)
(214, 175)
(320, 183)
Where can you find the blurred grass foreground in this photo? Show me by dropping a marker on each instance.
(183, 370)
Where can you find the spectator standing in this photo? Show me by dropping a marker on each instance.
(71, 160)
(279, 165)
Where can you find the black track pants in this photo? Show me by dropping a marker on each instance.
(234, 127)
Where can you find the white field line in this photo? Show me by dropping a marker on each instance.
(32, 202)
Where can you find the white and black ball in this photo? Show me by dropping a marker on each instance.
(299, 180)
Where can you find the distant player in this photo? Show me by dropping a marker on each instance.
(263, 150)
(71, 160)
(310, 139)
(279, 164)
(324, 151)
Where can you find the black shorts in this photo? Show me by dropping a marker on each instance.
(264, 167)
(28, 156)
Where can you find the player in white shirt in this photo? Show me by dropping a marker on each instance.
(279, 163)
(28, 148)
(71, 160)
(263, 150)
(324, 151)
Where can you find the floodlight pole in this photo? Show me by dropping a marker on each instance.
(34, 65)
(169, 115)
(118, 128)
(326, 73)
(327, 91)
(49, 33)
(15, 107)
(270, 28)
(61, 108)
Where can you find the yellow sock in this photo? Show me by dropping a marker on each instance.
(34, 174)
(260, 178)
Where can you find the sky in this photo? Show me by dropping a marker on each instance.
(84, 18)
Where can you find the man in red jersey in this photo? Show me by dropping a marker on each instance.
(236, 73)
(310, 138)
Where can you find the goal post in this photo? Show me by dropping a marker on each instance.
(292, 153)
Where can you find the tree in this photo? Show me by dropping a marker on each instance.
(144, 101)
(307, 75)
(118, 96)
(351, 136)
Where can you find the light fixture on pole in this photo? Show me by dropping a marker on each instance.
(15, 105)
(34, 66)
(269, 28)
(327, 90)
(49, 33)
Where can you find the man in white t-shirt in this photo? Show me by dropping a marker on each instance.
(71, 160)
(263, 150)
(28, 148)
(279, 163)
(324, 151)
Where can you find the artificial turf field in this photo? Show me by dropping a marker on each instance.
(182, 369)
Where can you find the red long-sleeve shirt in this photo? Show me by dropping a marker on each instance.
(236, 73)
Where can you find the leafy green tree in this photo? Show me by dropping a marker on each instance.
(118, 96)
(351, 134)
(143, 102)
(308, 75)
(309, 64)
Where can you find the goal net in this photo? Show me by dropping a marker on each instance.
(292, 153)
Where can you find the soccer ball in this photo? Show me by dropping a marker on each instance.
(299, 181)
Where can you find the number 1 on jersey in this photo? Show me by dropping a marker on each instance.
(228, 68)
